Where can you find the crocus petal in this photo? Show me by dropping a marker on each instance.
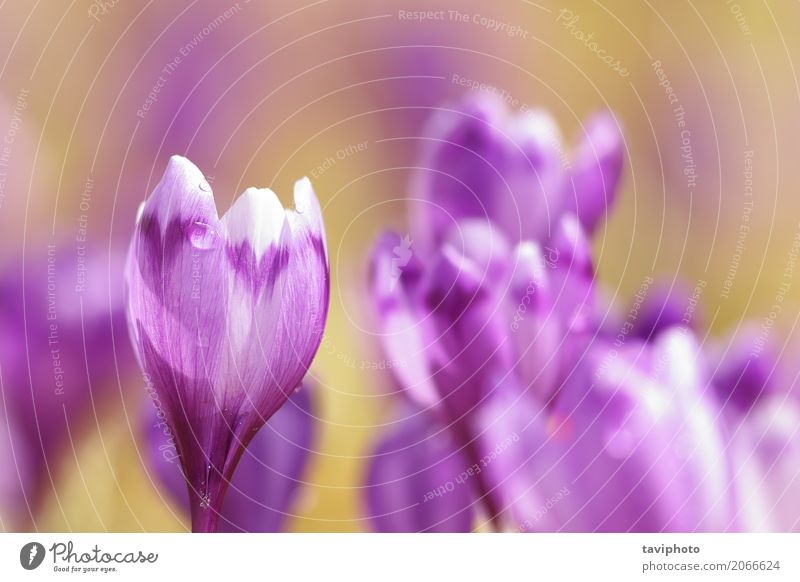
(569, 254)
(596, 170)
(469, 332)
(535, 328)
(485, 246)
(418, 481)
(267, 479)
(226, 315)
(177, 253)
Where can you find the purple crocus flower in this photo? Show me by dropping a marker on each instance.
(418, 480)
(226, 315)
(481, 161)
(268, 478)
(634, 442)
(62, 347)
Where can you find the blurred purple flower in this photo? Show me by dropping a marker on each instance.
(745, 367)
(418, 480)
(632, 443)
(62, 346)
(762, 412)
(268, 478)
(480, 161)
(765, 448)
(226, 315)
(666, 304)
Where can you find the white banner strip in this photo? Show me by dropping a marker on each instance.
(404, 558)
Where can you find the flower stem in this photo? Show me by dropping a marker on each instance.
(206, 504)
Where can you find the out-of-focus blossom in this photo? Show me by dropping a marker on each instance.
(418, 480)
(449, 313)
(744, 366)
(268, 478)
(763, 423)
(666, 304)
(62, 345)
(633, 442)
(226, 315)
(765, 448)
(483, 162)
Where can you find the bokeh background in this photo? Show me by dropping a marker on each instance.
(95, 96)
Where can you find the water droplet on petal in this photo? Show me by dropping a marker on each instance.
(204, 186)
(202, 236)
(300, 207)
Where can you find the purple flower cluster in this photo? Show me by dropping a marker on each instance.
(528, 405)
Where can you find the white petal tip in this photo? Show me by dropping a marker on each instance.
(540, 123)
(604, 133)
(256, 218)
(304, 197)
(182, 171)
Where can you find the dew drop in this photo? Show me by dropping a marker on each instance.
(202, 236)
(204, 186)
(300, 207)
